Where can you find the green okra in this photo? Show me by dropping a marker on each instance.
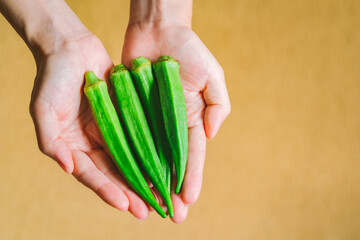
(113, 135)
(134, 121)
(173, 106)
(148, 90)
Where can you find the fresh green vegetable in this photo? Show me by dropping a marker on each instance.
(173, 106)
(148, 90)
(109, 125)
(138, 131)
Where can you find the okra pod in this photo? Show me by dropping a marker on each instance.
(173, 107)
(134, 121)
(148, 90)
(113, 135)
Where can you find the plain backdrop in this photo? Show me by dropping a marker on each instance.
(285, 164)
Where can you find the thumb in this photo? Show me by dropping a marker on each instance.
(217, 104)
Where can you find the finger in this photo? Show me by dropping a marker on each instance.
(151, 209)
(136, 205)
(217, 104)
(180, 209)
(159, 200)
(49, 136)
(194, 168)
(88, 174)
(94, 135)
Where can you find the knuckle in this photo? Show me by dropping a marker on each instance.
(103, 188)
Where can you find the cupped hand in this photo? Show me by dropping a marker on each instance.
(202, 78)
(64, 125)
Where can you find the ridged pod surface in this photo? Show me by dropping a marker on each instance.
(112, 133)
(173, 107)
(148, 90)
(137, 129)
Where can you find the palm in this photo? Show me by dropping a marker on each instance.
(182, 44)
(67, 132)
(65, 127)
(198, 68)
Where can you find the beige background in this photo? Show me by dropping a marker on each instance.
(285, 165)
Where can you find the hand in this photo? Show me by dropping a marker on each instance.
(206, 97)
(65, 128)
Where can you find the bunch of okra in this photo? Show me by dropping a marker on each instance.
(147, 127)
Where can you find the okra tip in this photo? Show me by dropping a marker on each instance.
(178, 187)
(140, 62)
(118, 68)
(90, 78)
(159, 210)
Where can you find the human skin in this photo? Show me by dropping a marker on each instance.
(64, 49)
(163, 28)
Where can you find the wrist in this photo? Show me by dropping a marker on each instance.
(55, 25)
(44, 44)
(161, 13)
